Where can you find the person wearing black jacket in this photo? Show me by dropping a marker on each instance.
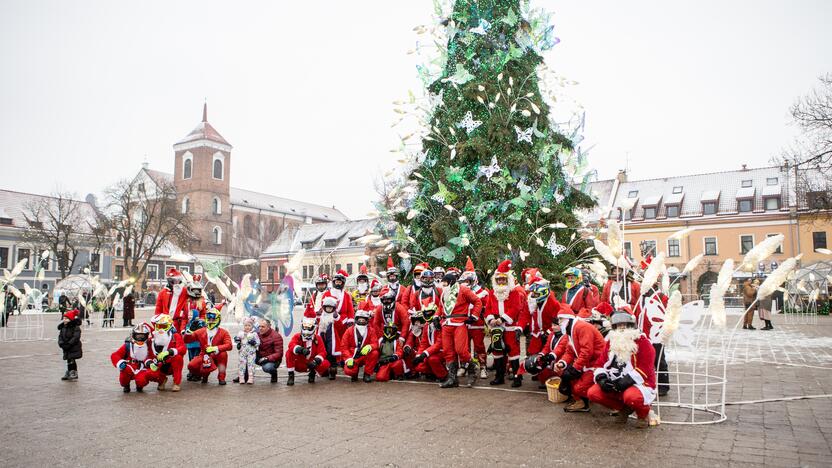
(69, 340)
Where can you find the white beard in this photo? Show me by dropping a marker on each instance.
(623, 343)
(362, 330)
(427, 291)
(161, 339)
(325, 321)
(318, 298)
(362, 287)
(375, 300)
(502, 292)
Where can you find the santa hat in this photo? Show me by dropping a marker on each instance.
(584, 313)
(419, 268)
(309, 317)
(530, 275)
(329, 300)
(71, 314)
(374, 284)
(469, 265)
(453, 270)
(504, 268)
(362, 313)
(604, 308)
(362, 270)
(565, 312)
(340, 273)
(173, 273)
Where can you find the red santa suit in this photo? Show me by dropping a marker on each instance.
(397, 315)
(390, 369)
(476, 330)
(638, 365)
(172, 300)
(351, 344)
(296, 360)
(137, 359)
(581, 347)
(513, 311)
(218, 337)
(585, 297)
(430, 344)
(458, 303)
(541, 315)
(650, 313)
(172, 342)
(628, 290)
(344, 309)
(314, 304)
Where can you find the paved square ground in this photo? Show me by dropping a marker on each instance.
(48, 422)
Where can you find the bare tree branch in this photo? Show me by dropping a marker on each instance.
(56, 223)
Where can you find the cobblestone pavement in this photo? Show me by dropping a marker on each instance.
(48, 422)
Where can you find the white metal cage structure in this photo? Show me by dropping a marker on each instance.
(25, 325)
(697, 370)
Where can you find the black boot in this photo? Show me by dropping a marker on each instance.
(274, 377)
(451, 381)
(126, 389)
(473, 373)
(204, 379)
(291, 379)
(333, 371)
(518, 379)
(368, 377)
(768, 325)
(66, 376)
(311, 376)
(73, 375)
(499, 371)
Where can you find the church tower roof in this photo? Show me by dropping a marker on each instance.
(204, 131)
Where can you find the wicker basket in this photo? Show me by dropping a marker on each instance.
(555, 396)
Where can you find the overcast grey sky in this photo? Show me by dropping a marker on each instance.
(304, 89)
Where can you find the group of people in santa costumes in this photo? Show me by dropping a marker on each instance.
(441, 327)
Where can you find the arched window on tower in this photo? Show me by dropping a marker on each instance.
(217, 235)
(186, 205)
(216, 206)
(187, 166)
(219, 162)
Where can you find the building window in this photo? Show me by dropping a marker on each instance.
(95, 262)
(118, 251)
(307, 244)
(710, 246)
(648, 247)
(818, 240)
(746, 206)
(119, 272)
(772, 203)
(152, 272)
(672, 211)
(62, 261)
(4, 257)
(632, 194)
(217, 235)
(779, 247)
(186, 205)
(185, 269)
(709, 208)
(187, 168)
(217, 168)
(337, 267)
(24, 254)
(649, 212)
(628, 249)
(673, 248)
(746, 243)
(771, 181)
(349, 268)
(248, 227)
(216, 206)
(330, 242)
(270, 274)
(6, 221)
(678, 189)
(746, 183)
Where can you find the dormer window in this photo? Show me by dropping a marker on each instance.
(747, 183)
(649, 212)
(772, 181)
(745, 206)
(709, 208)
(678, 189)
(672, 211)
(632, 194)
(330, 242)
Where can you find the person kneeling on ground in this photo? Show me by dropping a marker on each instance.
(358, 347)
(307, 352)
(580, 348)
(270, 352)
(169, 348)
(214, 344)
(134, 358)
(390, 363)
(430, 360)
(625, 377)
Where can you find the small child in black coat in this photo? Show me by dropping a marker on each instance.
(69, 339)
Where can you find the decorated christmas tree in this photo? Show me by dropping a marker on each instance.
(493, 174)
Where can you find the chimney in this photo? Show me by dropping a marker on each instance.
(745, 167)
(622, 176)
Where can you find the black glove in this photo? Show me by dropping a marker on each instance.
(471, 320)
(407, 350)
(262, 361)
(570, 373)
(313, 364)
(623, 383)
(252, 342)
(239, 345)
(603, 381)
(419, 359)
(527, 330)
(547, 359)
(305, 351)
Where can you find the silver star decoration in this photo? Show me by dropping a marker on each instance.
(490, 170)
(469, 123)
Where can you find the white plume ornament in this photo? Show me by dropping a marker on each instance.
(294, 263)
(717, 306)
(247, 262)
(681, 234)
(665, 280)
(651, 275)
(693, 263)
(673, 315)
(777, 277)
(723, 281)
(615, 238)
(761, 251)
(19, 267)
(605, 252)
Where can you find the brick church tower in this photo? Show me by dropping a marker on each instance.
(202, 180)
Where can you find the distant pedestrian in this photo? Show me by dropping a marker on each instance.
(764, 308)
(63, 303)
(129, 312)
(749, 296)
(69, 340)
